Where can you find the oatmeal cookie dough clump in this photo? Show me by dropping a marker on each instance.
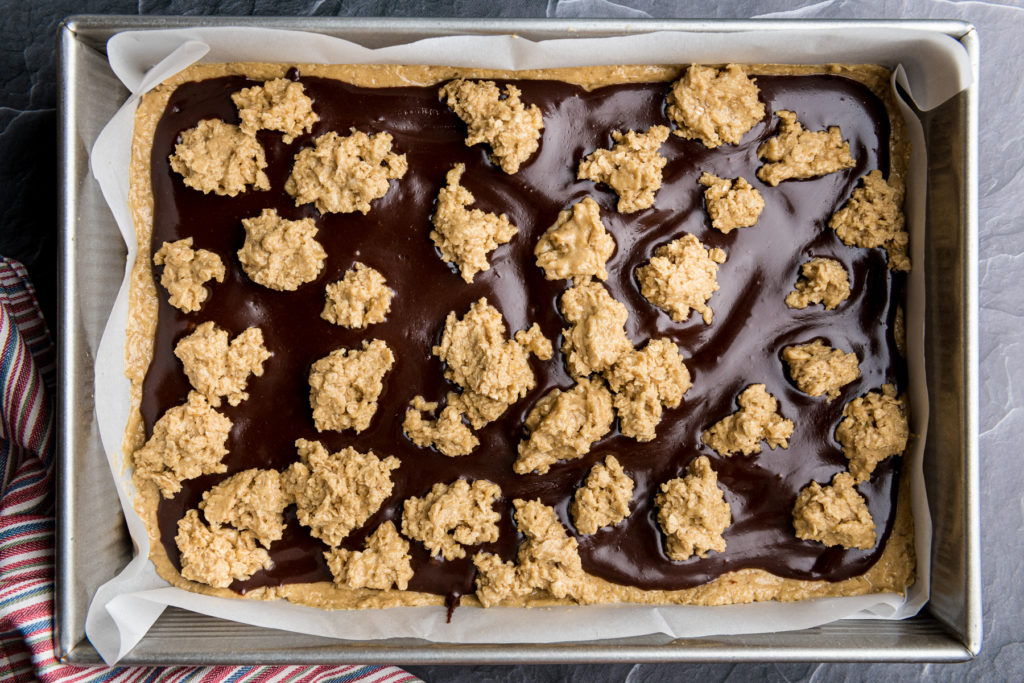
(799, 153)
(820, 370)
(220, 158)
(731, 203)
(681, 276)
(644, 383)
(217, 368)
(577, 246)
(453, 515)
(596, 337)
(280, 254)
(344, 174)
(252, 500)
(466, 236)
(337, 492)
(187, 441)
(822, 281)
(447, 433)
(384, 563)
(632, 167)
(693, 513)
(279, 104)
(755, 421)
(359, 299)
(836, 515)
(186, 270)
(344, 386)
(506, 124)
(873, 428)
(603, 500)
(715, 106)
(217, 555)
(874, 218)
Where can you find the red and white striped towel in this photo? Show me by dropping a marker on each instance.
(26, 521)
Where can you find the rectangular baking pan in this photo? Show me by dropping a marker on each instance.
(92, 540)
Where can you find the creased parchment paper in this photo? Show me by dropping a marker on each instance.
(932, 69)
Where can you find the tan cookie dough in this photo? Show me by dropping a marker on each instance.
(452, 516)
(715, 106)
(359, 299)
(873, 428)
(384, 563)
(447, 433)
(345, 384)
(834, 515)
(278, 104)
(548, 560)
(632, 167)
(799, 153)
(563, 425)
(217, 555)
(494, 371)
(603, 500)
(823, 281)
(644, 382)
(681, 276)
(218, 157)
(252, 500)
(217, 368)
(186, 270)
(506, 124)
(874, 218)
(187, 441)
(466, 236)
(596, 337)
(344, 174)
(693, 513)
(731, 204)
(280, 254)
(335, 493)
(577, 246)
(755, 421)
(820, 370)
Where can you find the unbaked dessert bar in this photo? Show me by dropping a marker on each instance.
(409, 335)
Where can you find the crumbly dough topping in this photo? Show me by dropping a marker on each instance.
(344, 174)
(335, 493)
(799, 153)
(466, 236)
(577, 246)
(251, 500)
(279, 104)
(681, 276)
(453, 515)
(820, 370)
(873, 428)
(497, 581)
(693, 513)
(731, 204)
(384, 563)
(218, 157)
(834, 515)
(596, 337)
(447, 433)
(187, 441)
(345, 384)
(644, 383)
(217, 555)
(755, 421)
(186, 270)
(359, 299)
(823, 281)
(632, 167)
(874, 218)
(493, 370)
(280, 254)
(217, 368)
(715, 106)
(563, 425)
(506, 124)
(603, 500)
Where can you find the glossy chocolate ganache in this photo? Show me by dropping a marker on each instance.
(742, 346)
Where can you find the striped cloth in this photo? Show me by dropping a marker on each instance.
(26, 521)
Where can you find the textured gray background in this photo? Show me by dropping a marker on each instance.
(28, 232)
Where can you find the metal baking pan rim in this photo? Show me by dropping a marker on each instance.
(924, 638)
